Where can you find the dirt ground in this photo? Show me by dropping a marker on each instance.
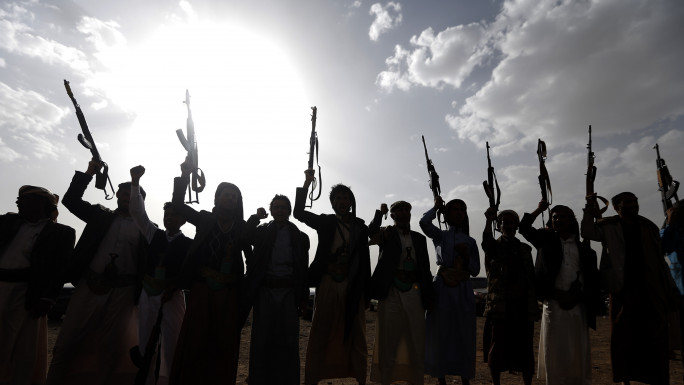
(600, 342)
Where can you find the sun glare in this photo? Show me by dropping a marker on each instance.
(247, 98)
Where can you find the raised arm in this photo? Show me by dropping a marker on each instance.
(310, 219)
(425, 222)
(374, 230)
(588, 228)
(136, 206)
(488, 241)
(526, 229)
(73, 198)
(251, 227)
(180, 185)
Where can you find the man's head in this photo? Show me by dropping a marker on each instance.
(400, 211)
(626, 204)
(228, 199)
(342, 200)
(173, 220)
(35, 203)
(563, 221)
(508, 221)
(123, 196)
(456, 215)
(280, 208)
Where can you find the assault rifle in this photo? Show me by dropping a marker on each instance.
(491, 183)
(86, 139)
(544, 181)
(591, 177)
(144, 362)
(666, 185)
(190, 145)
(313, 149)
(434, 180)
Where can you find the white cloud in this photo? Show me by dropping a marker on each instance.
(109, 43)
(558, 66)
(31, 120)
(386, 18)
(16, 36)
(566, 65)
(437, 60)
(7, 154)
(395, 76)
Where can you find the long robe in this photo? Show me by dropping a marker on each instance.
(329, 354)
(101, 322)
(399, 352)
(209, 341)
(275, 284)
(274, 347)
(337, 341)
(642, 294)
(32, 256)
(23, 356)
(511, 307)
(451, 327)
(564, 350)
(94, 341)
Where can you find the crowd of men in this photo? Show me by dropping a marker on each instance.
(129, 320)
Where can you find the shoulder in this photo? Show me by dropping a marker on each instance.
(523, 246)
(648, 224)
(609, 221)
(64, 228)
(104, 210)
(9, 218)
(263, 226)
(417, 235)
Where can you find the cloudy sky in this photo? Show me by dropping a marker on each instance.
(460, 72)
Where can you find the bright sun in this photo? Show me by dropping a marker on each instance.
(248, 101)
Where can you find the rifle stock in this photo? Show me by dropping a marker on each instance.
(87, 141)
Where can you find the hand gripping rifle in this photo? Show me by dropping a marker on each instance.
(190, 145)
(86, 139)
(313, 149)
(490, 184)
(591, 177)
(544, 181)
(666, 185)
(434, 180)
